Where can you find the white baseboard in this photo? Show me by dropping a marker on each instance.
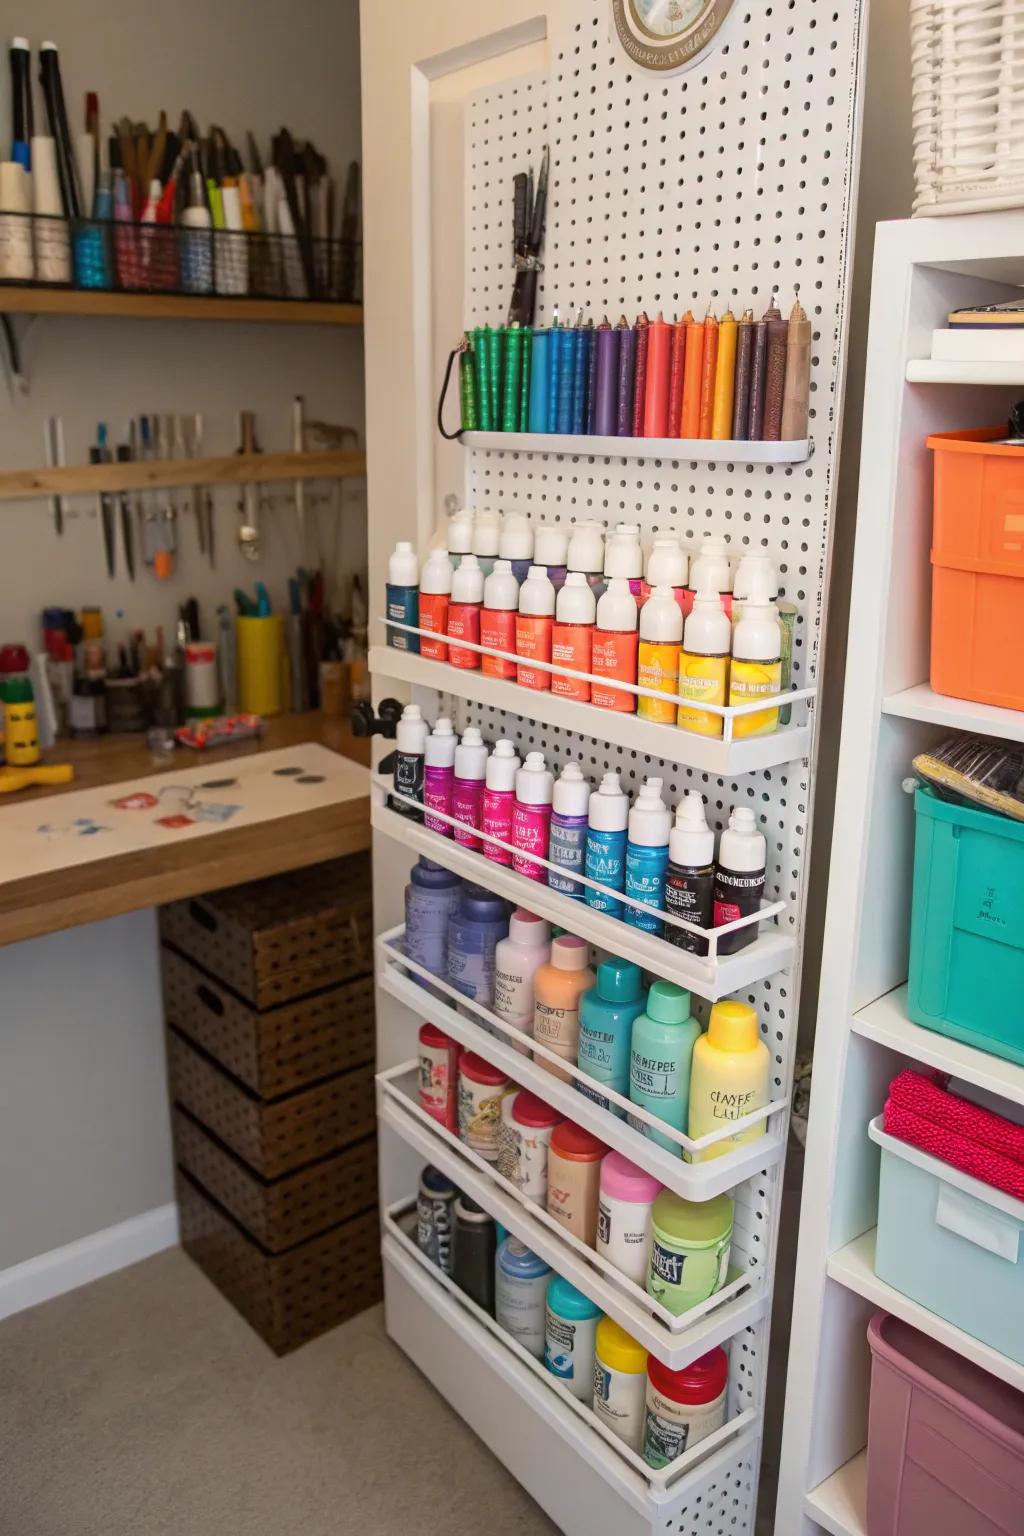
(90, 1258)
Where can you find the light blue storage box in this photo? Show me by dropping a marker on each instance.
(967, 926)
(951, 1243)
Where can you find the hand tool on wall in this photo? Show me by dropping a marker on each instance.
(299, 446)
(124, 455)
(149, 528)
(248, 533)
(99, 453)
(202, 497)
(53, 439)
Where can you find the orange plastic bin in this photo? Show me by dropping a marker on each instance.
(978, 568)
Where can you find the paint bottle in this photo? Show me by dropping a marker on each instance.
(704, 664)
(624, 1216)
(615, 648)
(430, 899)
(574, 1179)
(439, 1076)
(681, 1408)
(531, 816)
(435, 1218)
(517, 960)
(557, 988)
(568, 841)
(481, 1090)
(620, 1382)
(690, 1242)
(475, 1244)
(624, 557)
(498, 620)
(410, 760)
(464, 613)
(661, 634)
(605, 859)
(520, 1291)
(731, 1077)
(570, 1329)
(486, 538)
(661, 1052)
(459, 536)
(667, 565)
(403, 597)
(470, 765)
(586, 554)
(739, 878)
(439, 776)
(690, 877)
(435, 594)
(756, 668)
(607, 1012)
(515, 544)
(534, 623)
(650, 825)
(755, 573)
(475, 928)
(551, 550)
(533, 1124)
(572, 636)
(499, 799)
(710, 571)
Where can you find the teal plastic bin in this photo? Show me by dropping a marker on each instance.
(967, 926)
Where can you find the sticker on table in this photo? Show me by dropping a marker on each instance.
(209, 810)
(82, 826)
(175, 821)
(139, 801)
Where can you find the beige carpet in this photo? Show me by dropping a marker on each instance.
(144, 1406)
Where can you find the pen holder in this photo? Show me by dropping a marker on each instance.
(262, 661)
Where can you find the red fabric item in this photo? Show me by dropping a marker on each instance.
(987, 1146)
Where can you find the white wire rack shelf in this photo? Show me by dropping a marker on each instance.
(693, 450)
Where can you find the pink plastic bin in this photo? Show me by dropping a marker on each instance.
(945, 1441)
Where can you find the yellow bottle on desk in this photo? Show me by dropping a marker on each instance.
(729, 1078)
(704, 663)
(756, 671)
(21, 733)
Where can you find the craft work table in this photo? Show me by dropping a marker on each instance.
(34, 902)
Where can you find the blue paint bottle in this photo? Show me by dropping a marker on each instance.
(605, 858)
(650, 825)
(607, 1012)
(403, 597)
(478, 924)
(430, 899)
(568, 830)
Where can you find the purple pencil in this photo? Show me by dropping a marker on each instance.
(627, 378)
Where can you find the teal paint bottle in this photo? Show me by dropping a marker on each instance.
(607, 1012)
(659, 1062)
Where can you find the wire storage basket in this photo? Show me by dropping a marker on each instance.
(967, 60)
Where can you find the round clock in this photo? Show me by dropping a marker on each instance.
(668, 34)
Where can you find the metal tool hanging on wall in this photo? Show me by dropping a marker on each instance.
(53, 442)
(248, 532)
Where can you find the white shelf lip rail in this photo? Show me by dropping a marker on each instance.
(647, 1489)
(854, 1267)
(927, 370)
(686, 449)
(725, 755)
(886, 1022)
(710, 976)
(923, 703)
(839, 1504)
(675, 1341)
(434, 999)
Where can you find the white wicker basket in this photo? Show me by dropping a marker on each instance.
(968, 104)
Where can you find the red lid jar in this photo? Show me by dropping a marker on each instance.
(479, 1071)
(699, 1382)
(576, 1145)
(530, 1111)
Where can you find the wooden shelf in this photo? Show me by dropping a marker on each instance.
(237, 469)
(175, 306)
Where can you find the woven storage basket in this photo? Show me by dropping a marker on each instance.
(278, 939)
(280, 1212)
(968, 104)
(279, 1050)
(290, 1297)
(276, 1137)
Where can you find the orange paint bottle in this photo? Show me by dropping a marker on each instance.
(534, 623)
(572, 638)
(615, 647)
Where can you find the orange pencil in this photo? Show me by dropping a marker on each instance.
(689, 421)
(707, 377)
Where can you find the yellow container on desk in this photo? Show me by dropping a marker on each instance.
(262, 660)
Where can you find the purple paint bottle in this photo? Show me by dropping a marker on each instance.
(439, 776)
(468, 787)
(431, 897)
(499, 799)
(570, 807)
(531, 816)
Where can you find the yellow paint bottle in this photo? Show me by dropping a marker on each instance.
(756, 671)
(729, 1078)
(661, 632)
(704, 664)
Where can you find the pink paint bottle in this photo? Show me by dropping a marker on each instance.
(531, 816)
(499, 799)
(468, 786)
(439, 776)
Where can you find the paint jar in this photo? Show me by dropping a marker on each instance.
(435, 595)
(739, 878)
(704, 664)
(572, 637)
(468, 786)
(615, 648)
(517, 960)
(533, 1124)
(570, 803)
(607, 1012)
(683, 1407)
(403, 597)
(515, 545)
(730, 1078)
(710, 571)
(667, 565)
(439, 777)
(439, 1076)
(475, 1244)
(486, 539)
(660, 1061)
(574, 1178)
(531, 816)
(586, 554)
(620, 1382)
(431, 897)
(690, 877)
(661, 634)
(464, 613)
(410, 757)
(478, 923)
(605, 859)
(625, 1201)
(533, 628)
(499, 800)
(435, 1218)
(690, 1244)
(650, 823)
(624, 557)
(570, 1329)
(498, 619)
(550, 549)
(557, 989)
(520, 1293)
(202, 690)
(481, 1090)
